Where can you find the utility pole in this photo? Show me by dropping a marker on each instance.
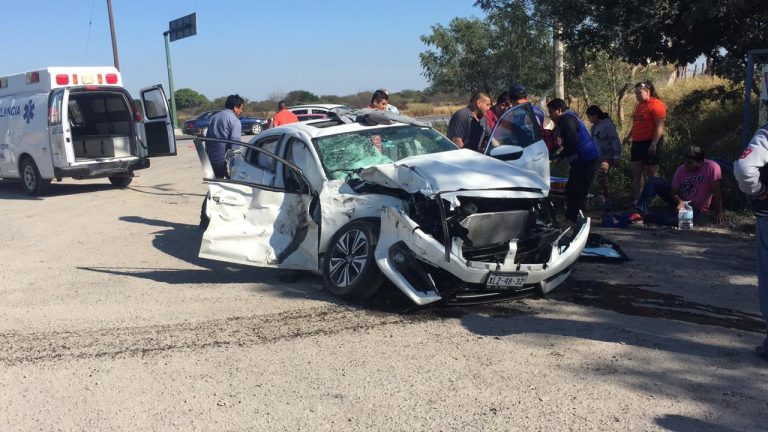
(114, 37)
(559, 62)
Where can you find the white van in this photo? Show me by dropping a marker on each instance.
(78, 122)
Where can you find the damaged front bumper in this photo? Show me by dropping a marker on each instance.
(427, 271)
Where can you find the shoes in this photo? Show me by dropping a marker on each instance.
(761, 352)
(635, 218)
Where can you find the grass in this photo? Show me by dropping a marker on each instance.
(426, 109)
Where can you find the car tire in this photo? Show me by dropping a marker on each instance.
(120, 181)
(349, 267)
(34, 184)
(256, 128)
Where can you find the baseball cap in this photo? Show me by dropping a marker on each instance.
(518, 92)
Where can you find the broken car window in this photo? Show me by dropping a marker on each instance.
(343, 155)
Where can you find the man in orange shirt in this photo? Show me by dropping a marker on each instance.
(283, 116)
(647, 135)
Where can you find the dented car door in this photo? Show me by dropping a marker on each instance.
(261, 216)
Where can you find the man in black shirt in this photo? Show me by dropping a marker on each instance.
(468, 127)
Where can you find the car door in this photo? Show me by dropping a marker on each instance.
(262, 215)
(519, 127)
(156, 131)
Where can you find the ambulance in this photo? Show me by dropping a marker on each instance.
(81, 123)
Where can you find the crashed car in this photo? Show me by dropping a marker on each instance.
(364, 197)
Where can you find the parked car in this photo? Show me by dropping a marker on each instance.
(360, 198)
(315, 108)
(199, 124)
(307, 117)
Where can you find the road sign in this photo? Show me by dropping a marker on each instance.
(180, 28)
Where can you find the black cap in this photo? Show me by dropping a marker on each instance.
(518, 92)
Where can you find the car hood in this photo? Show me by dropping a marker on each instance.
(452, 171)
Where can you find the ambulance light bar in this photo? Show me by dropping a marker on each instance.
(63, 79)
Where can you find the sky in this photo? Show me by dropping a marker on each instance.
(255, 48)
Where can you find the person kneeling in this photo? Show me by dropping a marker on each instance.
(697, 180)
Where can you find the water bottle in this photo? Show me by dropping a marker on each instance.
(685, 217)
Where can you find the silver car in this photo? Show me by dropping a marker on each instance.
(364, 197)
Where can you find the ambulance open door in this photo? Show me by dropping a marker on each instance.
(159, 139)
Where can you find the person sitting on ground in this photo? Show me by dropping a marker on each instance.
(379, 100)
(391, 108)
(607, 138)
(283, 116)
(697, 180)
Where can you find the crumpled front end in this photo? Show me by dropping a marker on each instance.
(468, 247)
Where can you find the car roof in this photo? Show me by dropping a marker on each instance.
(335, 125)
(323, 106)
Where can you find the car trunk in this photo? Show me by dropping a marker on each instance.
(101, 124)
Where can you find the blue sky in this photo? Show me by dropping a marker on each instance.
(254, 48)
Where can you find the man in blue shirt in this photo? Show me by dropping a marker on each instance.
(225, 124)
(580, 149)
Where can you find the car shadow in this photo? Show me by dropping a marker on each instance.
(182, 241)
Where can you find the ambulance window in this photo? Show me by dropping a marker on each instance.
(55, 110)
(154, 106)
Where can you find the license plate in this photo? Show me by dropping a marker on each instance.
(506, 280)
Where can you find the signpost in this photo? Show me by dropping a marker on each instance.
(180, 28)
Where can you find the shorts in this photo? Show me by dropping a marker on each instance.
(639, 152)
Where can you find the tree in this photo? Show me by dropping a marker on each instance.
(296, 97)
(665, 31)
(188, 98)
(488, 54)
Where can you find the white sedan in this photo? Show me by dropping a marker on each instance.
(366, 196)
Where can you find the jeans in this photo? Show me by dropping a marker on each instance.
(659, 187)
(579, 180)
(762, 269)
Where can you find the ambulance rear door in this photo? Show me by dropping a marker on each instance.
(156, 131)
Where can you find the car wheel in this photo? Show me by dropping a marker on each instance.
(34, 184)
(120, 181)
(255, 128)
(349, 268)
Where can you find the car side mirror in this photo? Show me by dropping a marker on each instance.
(506, 152)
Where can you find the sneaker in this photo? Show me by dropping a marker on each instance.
(635, 218)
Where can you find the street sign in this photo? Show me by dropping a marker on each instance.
(185, 26)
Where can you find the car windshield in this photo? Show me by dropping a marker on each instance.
(345, 154)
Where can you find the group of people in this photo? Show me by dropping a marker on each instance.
(594, 152)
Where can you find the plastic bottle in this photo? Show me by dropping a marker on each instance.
(685, 217)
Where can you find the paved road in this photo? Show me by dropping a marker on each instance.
(109, 321)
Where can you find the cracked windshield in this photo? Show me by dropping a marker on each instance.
(346, 154)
